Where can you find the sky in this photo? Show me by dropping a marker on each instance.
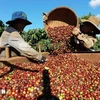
(35, 8)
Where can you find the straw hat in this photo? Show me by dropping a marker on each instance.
(94, 21)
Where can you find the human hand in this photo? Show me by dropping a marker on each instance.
(46, 59)
(76, 31)
(45, 17)
(45, 56)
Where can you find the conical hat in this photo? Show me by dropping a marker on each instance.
(94, 21)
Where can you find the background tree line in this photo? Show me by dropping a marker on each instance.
(38, 36)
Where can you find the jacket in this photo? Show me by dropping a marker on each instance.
(13, 38)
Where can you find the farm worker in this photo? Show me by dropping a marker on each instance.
(86, 33)
(11, 36)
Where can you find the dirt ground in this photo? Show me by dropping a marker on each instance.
(93, 57)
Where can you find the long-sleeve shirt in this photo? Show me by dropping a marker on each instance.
(89, 41)
(13, 38)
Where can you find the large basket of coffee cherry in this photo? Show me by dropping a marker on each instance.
(58, 25)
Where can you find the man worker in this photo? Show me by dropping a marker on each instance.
(12, 36)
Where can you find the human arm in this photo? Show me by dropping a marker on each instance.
(85, 39)
(88, 41)
(76, 31)
(16, 41)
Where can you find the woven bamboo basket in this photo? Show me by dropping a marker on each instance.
(61, 16)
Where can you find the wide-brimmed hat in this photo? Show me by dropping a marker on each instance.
(94, 21)
(19, 15)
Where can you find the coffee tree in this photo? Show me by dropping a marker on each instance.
(37, 37)
(2, 27)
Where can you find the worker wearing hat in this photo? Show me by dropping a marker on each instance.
(86, 33)
(11, 36)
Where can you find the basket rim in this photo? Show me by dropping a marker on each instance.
(65, 8)
(61, 7)
(46, 25)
